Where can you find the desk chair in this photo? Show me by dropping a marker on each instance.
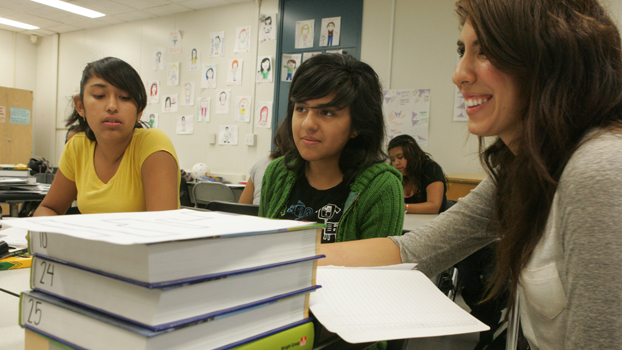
(205, 192)
(237, 208)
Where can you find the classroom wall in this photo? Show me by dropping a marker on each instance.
(135, 43)
(421, 54)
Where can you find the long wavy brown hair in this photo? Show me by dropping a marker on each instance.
(566, 56)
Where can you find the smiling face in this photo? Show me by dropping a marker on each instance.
(491, 96)
(110, 112)
(320, 133)
(265, 65)
(398, 161)
(210, 73)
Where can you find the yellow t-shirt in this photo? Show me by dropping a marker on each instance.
(124, 192)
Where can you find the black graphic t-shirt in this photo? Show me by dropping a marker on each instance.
(323, 206)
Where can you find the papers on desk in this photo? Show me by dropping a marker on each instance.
(367, 305)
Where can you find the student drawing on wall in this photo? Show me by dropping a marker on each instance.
(291, 66)
(173, 77)
(227, 135)
(234, 69)
(158, 58)
(223, 100)
(154, 90)
(209, 76)
(187, 93)
(264, 69)
(167, 104)
(183, 123)
(263, 116)
(203, 108)
(242, 42)
(305, 32)
(193, 56)
(331, 29)
(152, 121)
(267, 28)
(242, 106)
(216, 46)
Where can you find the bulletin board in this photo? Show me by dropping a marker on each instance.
(350, 18)
(15, 125)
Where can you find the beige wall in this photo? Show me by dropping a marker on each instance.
(421, 55)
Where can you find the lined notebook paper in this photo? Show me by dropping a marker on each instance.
(365, 305)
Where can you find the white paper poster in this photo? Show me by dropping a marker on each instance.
(243, 109)
(153, 92)
(267, 30)
(170, 103)
(159, 61)
(304, 34)
(173, 74)
(459, 107)
(203, 109)
(217, 44)
(307, 55)
(242, 39)
(194, 58)
(330, 32)
(290, 64)
(264, 69)
(407, 112)
(174, 42)
(223, 104)
(185, 125)
(208, 78)
(234, 75)
(263, 115)
(188, 98)
(228, 135)
(151, 119)
(460, 114)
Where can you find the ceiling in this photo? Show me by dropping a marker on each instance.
(51, 20)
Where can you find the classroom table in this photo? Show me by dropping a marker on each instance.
(11, 333)
(14, 198)
(18, 280)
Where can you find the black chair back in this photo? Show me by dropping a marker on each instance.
(237, 208)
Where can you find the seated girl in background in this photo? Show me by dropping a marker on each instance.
(422, 178)
(333, 171)
(113, 164)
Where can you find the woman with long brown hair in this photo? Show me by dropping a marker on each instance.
(545, 78)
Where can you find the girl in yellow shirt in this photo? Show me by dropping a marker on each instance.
(113, 165)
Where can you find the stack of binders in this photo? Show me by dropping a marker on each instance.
(179, 279)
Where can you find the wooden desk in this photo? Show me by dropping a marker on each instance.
(459, 184)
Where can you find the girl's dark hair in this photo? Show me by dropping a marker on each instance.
(269, 18)
(354, 84)
(264, 60)
(566, 58)
(416, 159)
(118, 74)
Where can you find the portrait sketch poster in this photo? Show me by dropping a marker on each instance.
(407, 112)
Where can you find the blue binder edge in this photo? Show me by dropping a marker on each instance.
(181, 282)
(150, 331)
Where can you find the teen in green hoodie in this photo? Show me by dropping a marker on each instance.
(335, 172)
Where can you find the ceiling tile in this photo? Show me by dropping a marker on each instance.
(143, 4)
(19, 5)
(63, 28)
(167, 10)
(134, 16)
(105, 6)
(201, 4)
(33, 20)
